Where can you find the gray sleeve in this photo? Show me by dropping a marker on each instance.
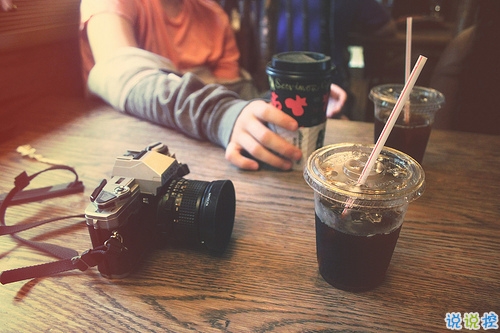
(206, 112)
(145, 85)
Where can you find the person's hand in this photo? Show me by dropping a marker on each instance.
(336, 101)
(250, 134)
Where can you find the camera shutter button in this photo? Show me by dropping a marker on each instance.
(122, 190)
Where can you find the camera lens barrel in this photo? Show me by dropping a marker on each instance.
(199, 211)
(217, 211)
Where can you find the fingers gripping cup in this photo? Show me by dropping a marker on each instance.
(411, 133)
(300, 86)
(354, 245)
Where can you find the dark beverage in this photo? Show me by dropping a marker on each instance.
(409, 138)
(423, 104)
(353, 263)
(358, 223)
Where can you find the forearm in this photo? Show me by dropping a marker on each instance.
(143, 84)
(206, 112)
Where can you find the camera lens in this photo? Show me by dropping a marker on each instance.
(199, 211)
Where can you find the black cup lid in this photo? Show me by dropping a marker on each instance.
(300, 62)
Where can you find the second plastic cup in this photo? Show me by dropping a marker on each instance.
(408, 135)
(354, 244)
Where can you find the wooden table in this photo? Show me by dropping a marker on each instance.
(446, 260)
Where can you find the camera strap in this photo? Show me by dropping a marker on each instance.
(69, 258)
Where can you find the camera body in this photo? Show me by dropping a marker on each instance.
(147, 203)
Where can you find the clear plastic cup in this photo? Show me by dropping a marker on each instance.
(355, 245)
(411, 135)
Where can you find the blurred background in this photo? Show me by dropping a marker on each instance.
(373, 59)
(39, 44)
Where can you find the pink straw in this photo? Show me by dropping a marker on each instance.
(409, 21)
(396, 111)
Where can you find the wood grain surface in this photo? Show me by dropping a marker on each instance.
(446, 260)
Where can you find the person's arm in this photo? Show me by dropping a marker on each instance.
(108, 32)
(145, 85)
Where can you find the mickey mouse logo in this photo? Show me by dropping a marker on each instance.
(296, 105)
(274, 101)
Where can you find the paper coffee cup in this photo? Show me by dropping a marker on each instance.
(300, 86)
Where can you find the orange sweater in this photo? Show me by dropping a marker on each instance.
(199, 36)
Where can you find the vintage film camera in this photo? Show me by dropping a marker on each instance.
(146, 203)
